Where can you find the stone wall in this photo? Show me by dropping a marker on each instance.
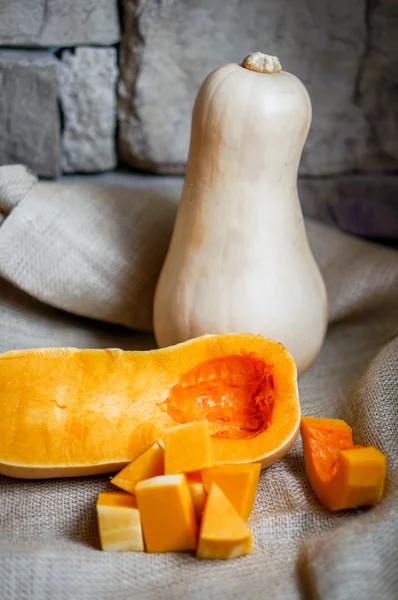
(29, 117)
(58, 104)
(344, 52)
(91, 84)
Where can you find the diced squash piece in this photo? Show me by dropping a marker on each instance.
(361, 474)
(198, 493)
(149, 464)
(342, 475)
(119, 522)
(167, 514)
(238, 482)
(187, 448)
(223, 533)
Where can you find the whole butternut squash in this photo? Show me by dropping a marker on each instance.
(239, 258)
(67, 412)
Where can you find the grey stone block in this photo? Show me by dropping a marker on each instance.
(363, 205)
(168, 49)
(378, 86)
(58, 22)
(29, 113)
(88, 101)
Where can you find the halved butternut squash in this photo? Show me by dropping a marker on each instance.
(68, 412)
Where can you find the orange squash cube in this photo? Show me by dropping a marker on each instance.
(119, 522)
(187, 448)
(167, 514)
(149, 464)
(341, 474)
(198, 493)
(238, 482)
(223, 533)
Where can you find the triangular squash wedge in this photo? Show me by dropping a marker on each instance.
(149, 464)
(223, 533)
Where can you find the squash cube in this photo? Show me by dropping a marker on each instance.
(149, 464)
(238, 482)
(119, 522)
(342, 475)
(187, 448)
(360, 478)
(198, 493)
(167, 514)
(223, 533)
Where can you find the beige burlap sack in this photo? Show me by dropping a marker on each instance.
(90, 250)
(96, 252)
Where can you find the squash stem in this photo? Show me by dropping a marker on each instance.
(262, 63)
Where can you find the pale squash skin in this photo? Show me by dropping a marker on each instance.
(69, 412)
(239, 258)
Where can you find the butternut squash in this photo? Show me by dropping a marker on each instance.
(68, 412)
(239, 258)
(342, 475)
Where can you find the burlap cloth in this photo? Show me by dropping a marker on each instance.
(97, 252)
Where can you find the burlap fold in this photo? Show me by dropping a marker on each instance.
(96, 252)
(91, 250)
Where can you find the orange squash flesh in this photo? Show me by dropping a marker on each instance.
(240, 388)
(223, 533)
(198, 493)
(167, 514)
(342, 474)
(119, 522)
(187, 448)
(149, 464)
(237, 482)
(69, 412)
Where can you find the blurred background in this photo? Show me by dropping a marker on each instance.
(106, 88)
